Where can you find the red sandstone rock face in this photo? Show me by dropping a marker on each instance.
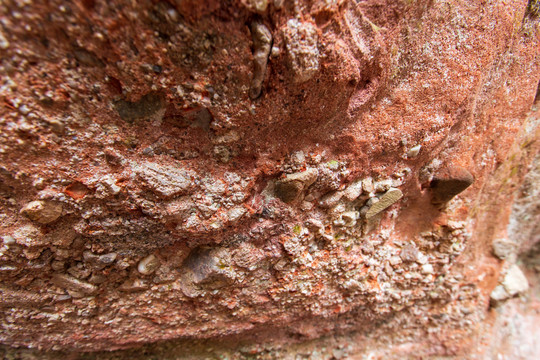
(264, 171)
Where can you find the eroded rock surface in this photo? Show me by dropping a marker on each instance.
(323, 179)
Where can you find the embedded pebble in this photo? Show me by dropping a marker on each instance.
(257, 5)
(72, 283)
(503, 248)
(163, 179)
(353, 191)
(4, 43)
(306, 177)
(331, 199)
(383, 185)
(148, 265)
(515, 281)
(389, 198)
(448, 182)
(99, 261)
(409, 253)
(132, 285)
(42, 211)
(29, 235)
(206, 266)
(147, 106)
(301, 40)
(262, 43)
(427, 269)
(414, 151)
(367, 185)
(289, 188)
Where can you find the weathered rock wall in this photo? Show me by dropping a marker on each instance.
(309, 176)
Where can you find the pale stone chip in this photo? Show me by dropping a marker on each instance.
(164, 179)
(389, 198)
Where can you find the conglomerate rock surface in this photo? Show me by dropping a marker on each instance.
(268, 179)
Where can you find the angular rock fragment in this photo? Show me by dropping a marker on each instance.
(448, 182)
(164, 179)
(409, 253)
(72, 283)
(302, 46)
(385, 201)
(262, 44)
(29, 235)
(98, 262)
(353, 191)
(42, 211)
(331, 199)
(503, 248)
(514, 283)
(290, 188)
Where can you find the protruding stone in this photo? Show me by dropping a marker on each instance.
(302, 46)
(353, 191)
(290, 188)
(414, 151)
(132, 285)
(207, 267)
(409, 253)
(72, 283)
(288, 191)
(385, 201)
(29, 235)
(448, 182)
(262, 44)
(42, 211)
(307, 177)
(98, 262)
(331, 199)
(367, 185)
(148, 265)
(515, 281)
(164, 179)
(503, 248)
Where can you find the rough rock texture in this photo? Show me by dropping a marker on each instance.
(336, 184)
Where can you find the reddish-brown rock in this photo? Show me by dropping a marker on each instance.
(263, 172)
